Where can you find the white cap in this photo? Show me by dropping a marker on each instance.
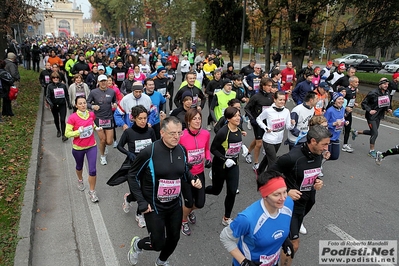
(101, 67)
(102, 77)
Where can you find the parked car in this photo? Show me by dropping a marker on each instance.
(392, 67)
(350, 58)
(396, 61)
(367, 65)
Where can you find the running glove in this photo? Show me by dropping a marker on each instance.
(229, 163)
(208, 164)
(247, 262)
(288, 248)
(131, 156)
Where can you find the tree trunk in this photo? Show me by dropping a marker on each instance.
(268, 41)
(3, 44)
(378, 53)
(300, 30)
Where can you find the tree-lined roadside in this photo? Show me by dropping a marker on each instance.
(15, 151)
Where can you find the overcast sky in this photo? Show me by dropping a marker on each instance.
(85, 7)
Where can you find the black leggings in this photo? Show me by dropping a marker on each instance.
(373, 132)
(210, 119)
(59, 114)
(392, 151)
(194, 196)
(347, 127)
(164, 231)
(271, 156)
(334, 148)
(220, 173)
(171, 89)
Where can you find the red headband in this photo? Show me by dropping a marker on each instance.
(271, 186)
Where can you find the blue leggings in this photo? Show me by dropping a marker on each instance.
(91, 154)
(334, 149)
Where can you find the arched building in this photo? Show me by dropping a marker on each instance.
(65, 20)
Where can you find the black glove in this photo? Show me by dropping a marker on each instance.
(190, 166)
(70, 106)
(208, 164)
(131, 156)
(288, 248)
(247, 262)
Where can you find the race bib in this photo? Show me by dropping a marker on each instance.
(278, 124)
(104, 122)
(351, 102)
(234, 149)
(195, 100)
(87, 132)
(120, 76)
(81, 93)
(141, 144)
(269, 260)
(340, 125)
(383, 101)
(216, 91)
(47, 79)
(59, 93)
(162, 91)
(196, 156)
(168, 190)
(309, 176)
(289, 78)
(320, 104)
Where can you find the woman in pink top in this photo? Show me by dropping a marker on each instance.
(138, 76)
(196, 141)
(80, 126)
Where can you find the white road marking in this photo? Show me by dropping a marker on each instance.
(383, 125)
(345, 236)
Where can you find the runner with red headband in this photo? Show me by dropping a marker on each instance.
(256, 235)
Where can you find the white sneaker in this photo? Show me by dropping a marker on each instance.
(103, 160)
(210, 175)
(81, 185)
(249, 126)
(93, 196)
(237, 191)
(125, 204)
(140, 220)
(115, 144)
(226, 222)
(244, 150)
(248, 158)
(303, 230)
(255, 166)
(263, 152)
(106, 150)
(134, 251)
(347, 148)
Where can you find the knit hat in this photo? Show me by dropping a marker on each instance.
(341, 66)
(336, 95)
(137, 87)
(130, 71)
(226, 81)
(159, 69)
(395, 76)
(185, 94)
(324, 85)
(11, 56)
(383, 80)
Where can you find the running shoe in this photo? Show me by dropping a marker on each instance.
(255, 166)
(64, 138)
(379, 158)
(209, 127)
(237, 191)
(185, 229)
(93, 196)
(347, 148)
(125, 204)
(263, 152)
(303, 230)
(134, 251)
(81, 185)
(192, 218)
(373, 154)
(226, 221)
(115, 144)
(140, 220)
(354, 133)
(248, 158)
(58, 134)
(103, 160)
(210, 175)
(163, 263)
(106, 150)
(249, 126)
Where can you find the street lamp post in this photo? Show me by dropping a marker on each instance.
(242, 30)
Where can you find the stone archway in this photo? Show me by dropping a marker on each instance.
(64, 28)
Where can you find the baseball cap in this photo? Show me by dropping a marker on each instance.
(341, 66)
(102, 77)
(137, 86)
(101, 67)
(324, 85)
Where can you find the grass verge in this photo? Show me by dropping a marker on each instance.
(15, 151)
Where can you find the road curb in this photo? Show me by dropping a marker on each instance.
(23, 252)
(391, 119)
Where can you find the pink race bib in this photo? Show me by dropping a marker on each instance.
(309, 176)
(168, 190)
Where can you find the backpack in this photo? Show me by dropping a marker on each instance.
(13, 93)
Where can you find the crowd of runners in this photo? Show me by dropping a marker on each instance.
(109, 84)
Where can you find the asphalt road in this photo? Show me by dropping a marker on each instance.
(359, 200)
